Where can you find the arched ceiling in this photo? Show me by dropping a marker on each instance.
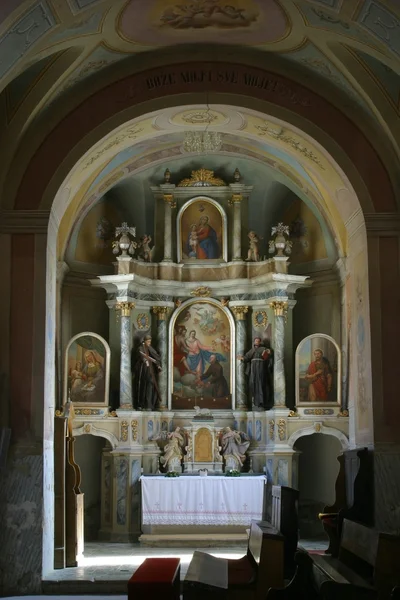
(348, 50)
(57, 53)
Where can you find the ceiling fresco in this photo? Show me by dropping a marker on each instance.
(307, 39)
(167, 22)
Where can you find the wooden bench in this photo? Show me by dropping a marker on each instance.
(284, 518)
(366, 568)
(353, 496)
(246, 578)
(156, 578)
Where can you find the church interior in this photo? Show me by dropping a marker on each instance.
(199, 231)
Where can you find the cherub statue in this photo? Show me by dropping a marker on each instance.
(253, 253)
(234, 446)
(173, 450)
(145, 250)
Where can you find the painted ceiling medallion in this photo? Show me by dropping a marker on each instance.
(199, 117)
(236, 22)
(200, 178)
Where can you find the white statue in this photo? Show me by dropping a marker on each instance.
(204, 412)
(234, 446)
(173, 450)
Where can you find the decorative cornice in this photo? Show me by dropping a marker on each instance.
(382, 223)
(24, 221)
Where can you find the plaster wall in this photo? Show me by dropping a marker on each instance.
(317, 311)
(83, 309)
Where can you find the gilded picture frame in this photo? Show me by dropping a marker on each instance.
(199, 329)
(87, 370)
(318, 371)
(202, 231)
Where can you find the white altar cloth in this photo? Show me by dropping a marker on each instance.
(195, 500)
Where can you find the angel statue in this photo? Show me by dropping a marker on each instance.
(173, 450)
(234, 446)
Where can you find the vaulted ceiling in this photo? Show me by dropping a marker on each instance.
(56, 53)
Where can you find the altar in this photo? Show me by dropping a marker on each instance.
(214, 501)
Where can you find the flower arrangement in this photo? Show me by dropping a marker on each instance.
(232, 473)
(171, 474)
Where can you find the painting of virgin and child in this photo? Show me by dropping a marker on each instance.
(201, 228)
(201, 357)
(86, 376)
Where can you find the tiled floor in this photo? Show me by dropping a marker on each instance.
(105, 567)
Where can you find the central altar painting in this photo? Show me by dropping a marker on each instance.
(201, 357)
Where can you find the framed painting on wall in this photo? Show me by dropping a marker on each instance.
(201, 370)
(318, 371)
(201, 231)
(87, 370)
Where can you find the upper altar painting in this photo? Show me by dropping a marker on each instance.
(201, 227)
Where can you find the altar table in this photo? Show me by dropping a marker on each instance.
(195, 500)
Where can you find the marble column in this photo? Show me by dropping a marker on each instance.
(125, 383)
(169, 204)
(240, 318)
(162, 312)
(280, 312)
(237, 226)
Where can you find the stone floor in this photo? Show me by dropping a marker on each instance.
(105, 568)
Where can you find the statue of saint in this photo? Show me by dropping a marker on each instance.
(259, 364)
(234, 446)
(173, 450)
(145, 369)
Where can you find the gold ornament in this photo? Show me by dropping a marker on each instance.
(343, 413)
(282, 429)
(240, 312)
(125, 308)
(201, 176)
(124, 431)
(161, 312)
(134, 426)
(201, 291)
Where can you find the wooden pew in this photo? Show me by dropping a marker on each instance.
(246, 578)
(354, 496)
(284, 518)
(366, 568)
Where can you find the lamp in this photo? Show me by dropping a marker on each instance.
(202, 141)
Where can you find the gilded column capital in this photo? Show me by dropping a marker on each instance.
(161, 312)
(239, 312)
(169, 199)
(280, 308)
(125, 308)
(236, 199)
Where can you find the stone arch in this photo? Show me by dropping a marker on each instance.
(90, 429)
(51, 182)
(318, 427)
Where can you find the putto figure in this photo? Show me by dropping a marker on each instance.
(253, 253)
(259, 364)
(147, 364)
